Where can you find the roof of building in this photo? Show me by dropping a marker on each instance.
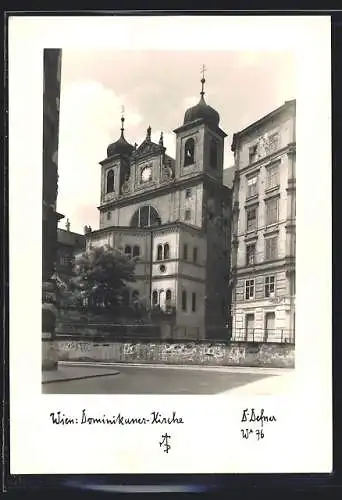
(269, 116)
(202, 111)
(70, 238)
(121, 146)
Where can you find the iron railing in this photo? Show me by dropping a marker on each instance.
(156, 333)
(264, 335)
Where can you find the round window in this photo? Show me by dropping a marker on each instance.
(162, 268)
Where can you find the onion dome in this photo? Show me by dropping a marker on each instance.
(202, 111)
(121, 146)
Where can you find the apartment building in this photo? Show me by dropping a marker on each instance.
(264, 228)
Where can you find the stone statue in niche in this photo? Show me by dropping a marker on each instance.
(125, 186)
(263, 146)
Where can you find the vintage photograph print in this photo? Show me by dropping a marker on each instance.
(169, 233)
(172, 322)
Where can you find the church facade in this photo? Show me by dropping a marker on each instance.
(173, 217)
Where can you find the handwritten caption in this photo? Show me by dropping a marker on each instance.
(155, 417)
(255, 420)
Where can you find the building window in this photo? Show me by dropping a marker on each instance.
(168, 296)
(213, 154)
(269, 324)
(162, 268)
(136, 251)
(273, 142)
(155, 298)
(64, 260)
(159, 252)
(193, 302)
(187, 214)
(110, 181)
(128, 251)
(251, 219)
(189, 152)
(185, 252)
(252, 183)
(253, 153)
(184, 300)
(145, 216)
(249, 327)
(271, 248)
(166, 251)
(109, 214)
(188, 193)
(249, 289)
(195, 254)
(272, 178)
(269, 286)
(271, 211)
(250, 255)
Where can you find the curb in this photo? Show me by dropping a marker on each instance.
(68, 379)
(224, 368)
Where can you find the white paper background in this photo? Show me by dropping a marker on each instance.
(210, 439)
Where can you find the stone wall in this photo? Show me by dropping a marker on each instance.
(233, 354)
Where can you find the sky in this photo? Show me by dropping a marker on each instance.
(155, 88)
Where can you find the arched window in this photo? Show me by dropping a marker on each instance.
(166, 251)
(185, 252)
(213, 154)
(189, 152)
(145, 216)
(128, 251)
(136, 251)
(168, 295)
(184, 300)
(159, 252)
(110, 181)
(155, 298)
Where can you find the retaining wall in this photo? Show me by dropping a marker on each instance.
(192, 353)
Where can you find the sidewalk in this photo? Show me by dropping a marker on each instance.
(67, 372)
(282, 384)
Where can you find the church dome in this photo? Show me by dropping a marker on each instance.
(121, 146)
(202, 111)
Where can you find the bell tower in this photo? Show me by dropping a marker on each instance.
(200, 141)
(115, 170)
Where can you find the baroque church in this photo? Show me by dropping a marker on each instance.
(173, 217)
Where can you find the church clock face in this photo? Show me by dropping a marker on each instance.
(146, 174)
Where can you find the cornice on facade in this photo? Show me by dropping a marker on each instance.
(163, 228)
(173, 185)
(195, 124)
(265, 267)
(266, 161)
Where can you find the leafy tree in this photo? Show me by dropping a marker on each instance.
(100, 279)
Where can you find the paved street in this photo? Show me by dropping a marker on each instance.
(155, 380)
